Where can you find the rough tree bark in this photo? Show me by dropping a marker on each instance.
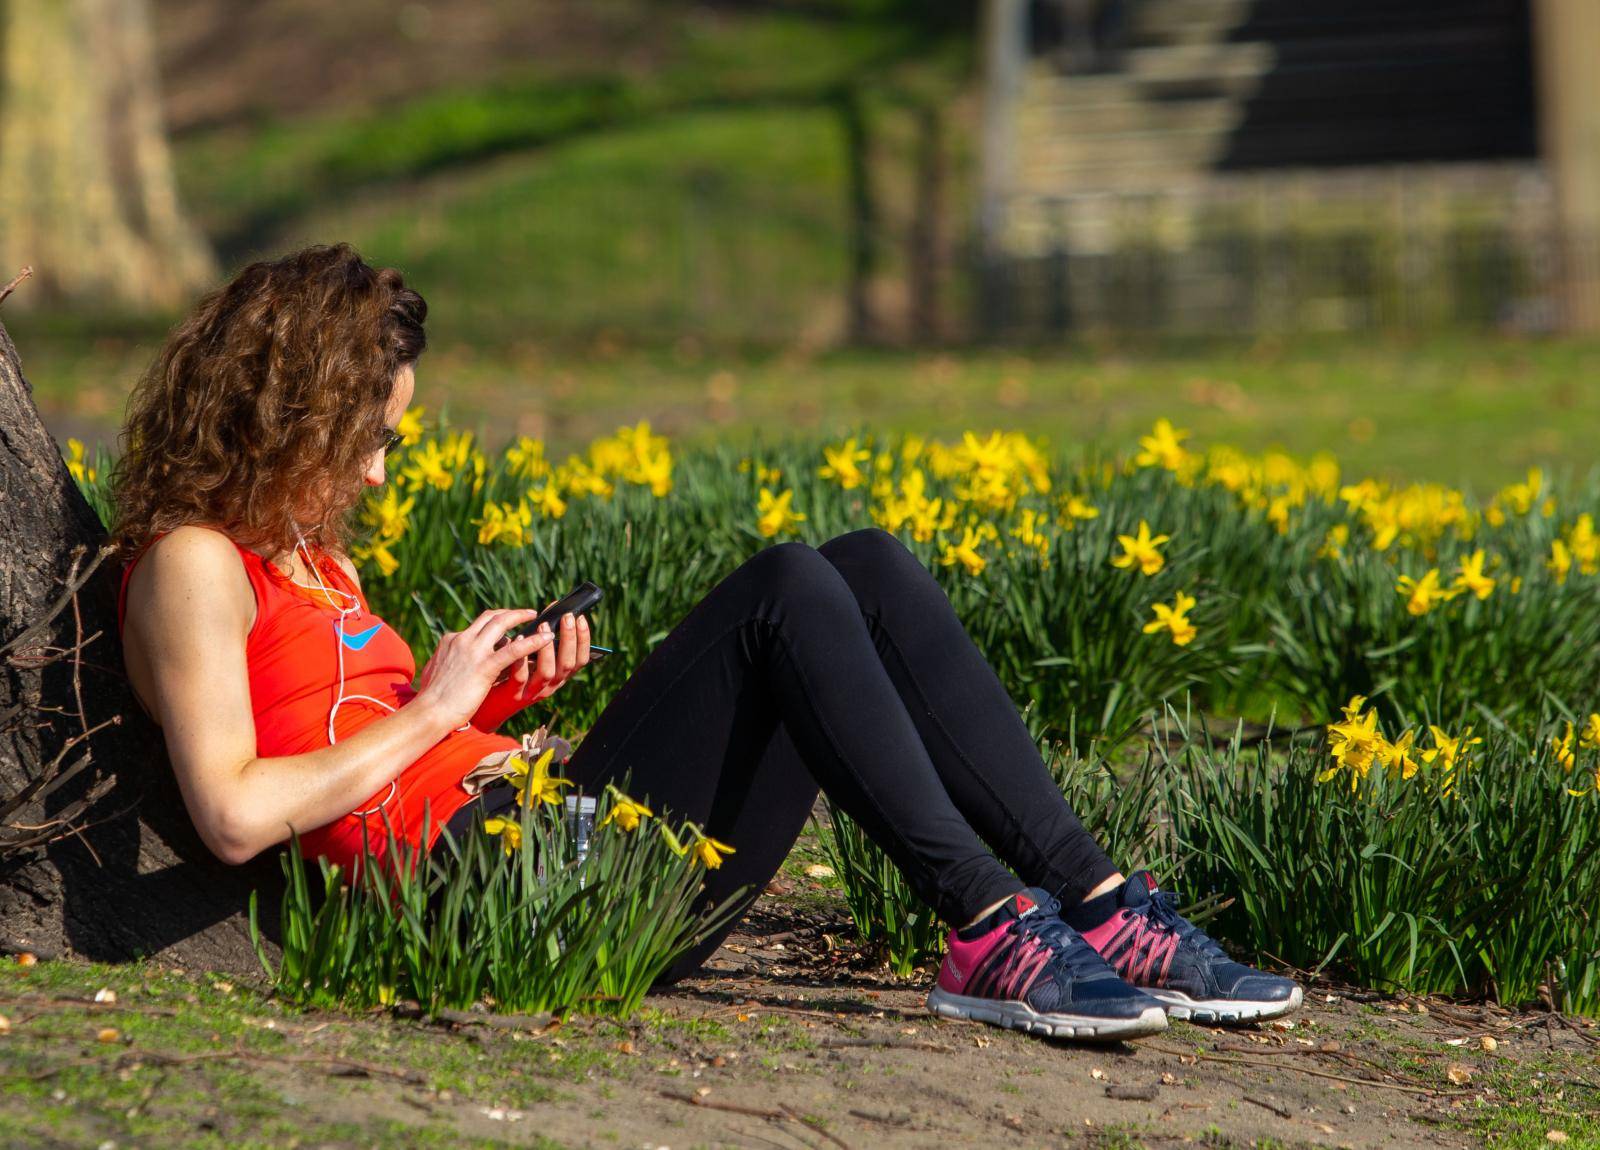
(117, 870)
(86, 186)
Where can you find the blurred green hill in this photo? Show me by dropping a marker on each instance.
(555, 170)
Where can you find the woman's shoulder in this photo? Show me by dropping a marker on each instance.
(186, 561)
(192, 549)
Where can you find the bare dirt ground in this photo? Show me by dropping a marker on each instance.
(788, 1040)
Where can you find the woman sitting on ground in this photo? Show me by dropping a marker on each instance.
(287, 706)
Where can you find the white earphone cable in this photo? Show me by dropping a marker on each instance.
(340, 698)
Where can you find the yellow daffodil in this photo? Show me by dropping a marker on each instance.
(76, 462)
(1470, 576)
(774, 513)
(1174, 619)
(1142, 550)
(625, 812)
(388, 517)
(1447, 752)
(546, 499)
(1423, 594)
(708, 851)
(429, 467)
(1560, 561)
(1353, 743)
(1396, 756)
(965, 552)
(378, 553)
(1334, 543)
(410, 426)
(1027, 529)
(536, 784)
(1584, 544)
(1562, 748)
(1163, 447)
(1520, 497)
(844, 464)
(1589, 737)
(509, 830)
(504, 523)
(1074, 508)
(525, 459)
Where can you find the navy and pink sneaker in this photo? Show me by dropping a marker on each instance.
(1025, 969)
(1156, 949)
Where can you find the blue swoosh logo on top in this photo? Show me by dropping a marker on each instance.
(361, 638)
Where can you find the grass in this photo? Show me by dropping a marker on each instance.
(1473, 411)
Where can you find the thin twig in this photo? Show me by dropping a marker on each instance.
(26, 271)
(74, 585)
(1280, 1111)
(729, 1107)
(816, 1126)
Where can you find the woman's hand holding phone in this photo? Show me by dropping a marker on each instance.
(462, 674)
(538, 674)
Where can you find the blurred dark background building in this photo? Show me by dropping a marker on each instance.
(1248, 165)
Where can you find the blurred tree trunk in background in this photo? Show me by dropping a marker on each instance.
(862, 212)
(86, 187)
(928, 255)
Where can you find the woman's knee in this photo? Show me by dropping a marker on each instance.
(874, 561)
(791, 569)
(866, 543)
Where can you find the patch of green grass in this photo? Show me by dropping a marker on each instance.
(729, 224)
(1463, 410)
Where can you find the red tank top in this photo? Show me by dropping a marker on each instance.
(292, 655)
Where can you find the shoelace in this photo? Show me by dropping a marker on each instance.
(1164, 916)
(1063, 942)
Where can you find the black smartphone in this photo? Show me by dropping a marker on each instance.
(579, 601)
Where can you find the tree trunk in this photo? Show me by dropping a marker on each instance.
(862, 211)
(86, 187)
(100, 860)
(927, 254)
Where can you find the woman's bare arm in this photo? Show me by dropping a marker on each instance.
(189, 611)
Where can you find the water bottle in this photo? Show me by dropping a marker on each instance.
(579, 820)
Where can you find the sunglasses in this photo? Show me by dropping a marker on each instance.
(391, 439)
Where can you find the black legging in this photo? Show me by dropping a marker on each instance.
(843, 665)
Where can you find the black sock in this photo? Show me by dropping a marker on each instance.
(1091, 912)
(1005, 912)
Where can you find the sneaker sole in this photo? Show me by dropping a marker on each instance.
(1180, 1005)
(1021, 1016)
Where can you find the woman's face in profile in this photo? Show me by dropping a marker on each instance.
(405, 385)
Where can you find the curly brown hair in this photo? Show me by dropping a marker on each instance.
(275, 385)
